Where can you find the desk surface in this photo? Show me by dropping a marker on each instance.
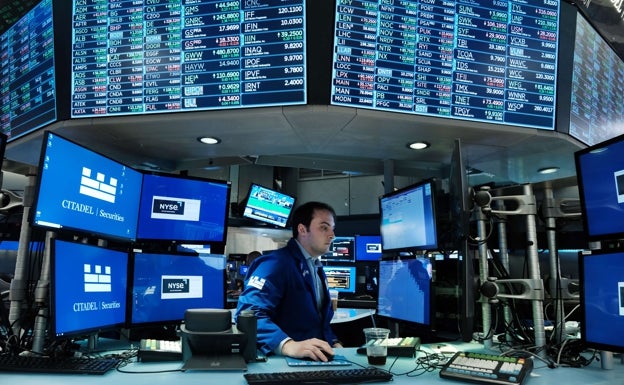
(168, 373)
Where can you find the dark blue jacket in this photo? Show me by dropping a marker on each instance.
(280, 290)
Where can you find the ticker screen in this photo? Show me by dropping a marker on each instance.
(491, 61)
(150, 56)
(27, 81)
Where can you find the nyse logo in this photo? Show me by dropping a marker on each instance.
(175, 285)
(164, 206)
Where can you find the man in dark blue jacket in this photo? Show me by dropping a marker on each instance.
(287, 289)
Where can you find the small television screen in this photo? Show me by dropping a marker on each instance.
(601, 276)
(405, 290)
(242, 270)
(183, 209)
(340, 250)
(269, 206)
(408, 218)
(81, 190)
(367, 248)
(165, 285)
(88, 289)
(341, 278)
(600, 173)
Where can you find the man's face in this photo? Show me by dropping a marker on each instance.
(317, 239)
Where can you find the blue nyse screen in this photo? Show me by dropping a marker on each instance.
(136, 57)
(82, 190)
(492, 61)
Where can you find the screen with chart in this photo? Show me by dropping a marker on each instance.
(136, 57)
(491, 61)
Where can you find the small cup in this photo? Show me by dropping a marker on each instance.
(333, 295)
(376, 348)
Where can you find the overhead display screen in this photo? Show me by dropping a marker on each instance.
(27, 81)
(597, 104)
(134, 57)
(492, 60)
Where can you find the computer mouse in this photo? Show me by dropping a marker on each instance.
(329, 356)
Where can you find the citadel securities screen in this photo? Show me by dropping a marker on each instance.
(492, 60)
(149, 56)
(82, 190)
(27, 89)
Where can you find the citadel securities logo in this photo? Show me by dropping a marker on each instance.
(97, 279)
(180, 209)
(97, 187)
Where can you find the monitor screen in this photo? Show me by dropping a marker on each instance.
(183, 209)
(405, 290)
(367, 247)
(341, 278)
(186, 56)
(602, 299)
(81, 190)
(88, 289)
(269, 206)
(28, 90)
(342, 249)
(408, 220)
(487, 61)
(600, 173)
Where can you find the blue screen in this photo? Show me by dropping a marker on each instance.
(82, 190)
(89, 288)
(165, 285)
(602, 300)
(405, 290)
(341, 278)
(268, 206)
(408, 218)
(183, 209)
(367, 247)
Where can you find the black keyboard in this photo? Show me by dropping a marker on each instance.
(487, 368)
(332, 376)
(66, 365)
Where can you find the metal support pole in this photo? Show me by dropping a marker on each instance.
(486, 310)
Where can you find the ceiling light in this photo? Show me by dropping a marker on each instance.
(418, 145)
(548, 170)
(209, 140)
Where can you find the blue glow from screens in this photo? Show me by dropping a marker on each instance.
(84, 191)
(602, 300)
(340, 250)
(408, 218)
(89, 288)
(368, 247)
(242, 270)
(405, 290)
(341, 278)
(177, 208)
(165, 285)
(269, 206)
(600, 172)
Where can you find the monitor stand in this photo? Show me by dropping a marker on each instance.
(215, 362)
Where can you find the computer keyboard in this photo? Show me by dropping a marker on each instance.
(151, 350)
(333, 376)
(487, 368)
(66, 365)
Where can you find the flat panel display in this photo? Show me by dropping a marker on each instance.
(135, 57)
(89, 289)
(490, 61)
(27, 78)
(165, 285)
(183, 209)
(341, 278)
(81, 190)
(368, 248)
(342, 249)
(268, 206)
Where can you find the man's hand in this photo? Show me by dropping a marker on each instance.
(312, 348)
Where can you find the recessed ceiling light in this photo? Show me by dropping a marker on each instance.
(418, 145)
(548, 170)
(209, 140)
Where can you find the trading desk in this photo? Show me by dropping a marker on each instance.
(168, 373)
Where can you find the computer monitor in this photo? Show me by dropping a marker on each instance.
(367, 248)
(405, 290)
(79, 190)
(183, 209)
(341, 278)
(408, 218)
(88, 289)
(269, 206)
(600, 173)
(342, 249)
(165, 285)
(602, 299)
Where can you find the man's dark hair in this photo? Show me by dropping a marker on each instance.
(303, 214)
